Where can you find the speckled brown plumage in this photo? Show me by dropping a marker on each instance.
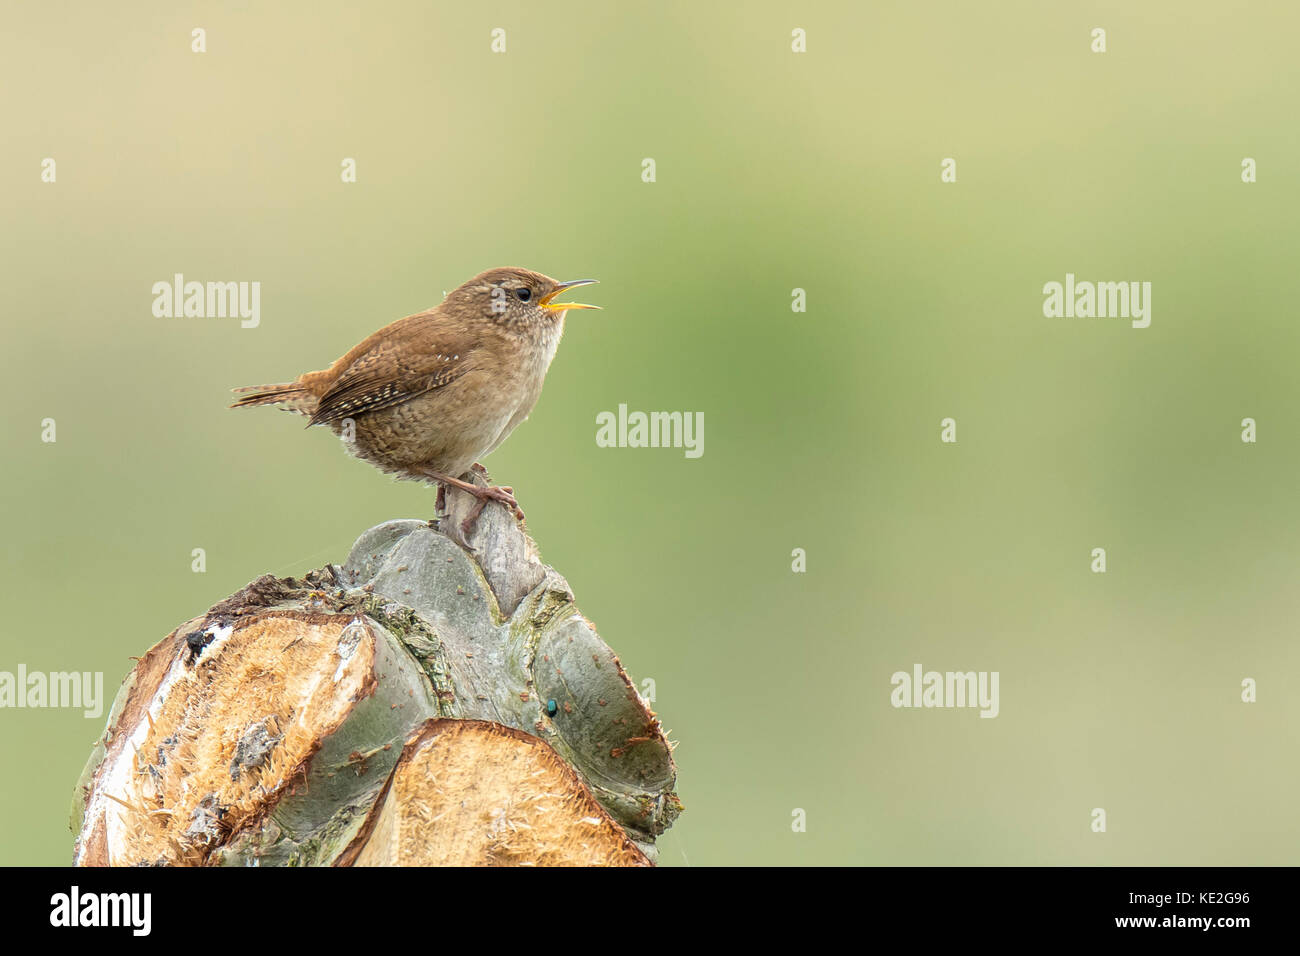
(429, 395)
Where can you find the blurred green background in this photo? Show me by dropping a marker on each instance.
(775, 170)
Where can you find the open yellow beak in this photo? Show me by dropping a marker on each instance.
(546, 303)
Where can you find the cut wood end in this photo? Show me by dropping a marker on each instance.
(207, 748)
(476, 793)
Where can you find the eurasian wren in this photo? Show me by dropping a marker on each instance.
(429, 395)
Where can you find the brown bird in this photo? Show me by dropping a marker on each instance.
(429, 395)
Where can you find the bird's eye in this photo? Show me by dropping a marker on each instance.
(523, 295)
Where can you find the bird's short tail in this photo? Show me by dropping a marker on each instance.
(290, 396)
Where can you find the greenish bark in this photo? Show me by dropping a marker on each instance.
(476, 629)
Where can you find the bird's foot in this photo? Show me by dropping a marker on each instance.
(504, 495)
(492, 493)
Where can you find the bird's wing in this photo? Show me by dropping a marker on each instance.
(388, 369)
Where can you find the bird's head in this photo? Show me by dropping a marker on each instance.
(517, 298)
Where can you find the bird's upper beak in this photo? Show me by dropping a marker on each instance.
(546, 303)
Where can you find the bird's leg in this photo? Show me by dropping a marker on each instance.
(440, 506)
(484, 495)
(482, 472)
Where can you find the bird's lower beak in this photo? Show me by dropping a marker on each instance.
(546, 303)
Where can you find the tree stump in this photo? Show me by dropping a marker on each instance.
(431, 701)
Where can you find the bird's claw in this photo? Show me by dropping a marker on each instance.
(505, 495)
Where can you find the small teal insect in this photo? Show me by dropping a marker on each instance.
(552, 708)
